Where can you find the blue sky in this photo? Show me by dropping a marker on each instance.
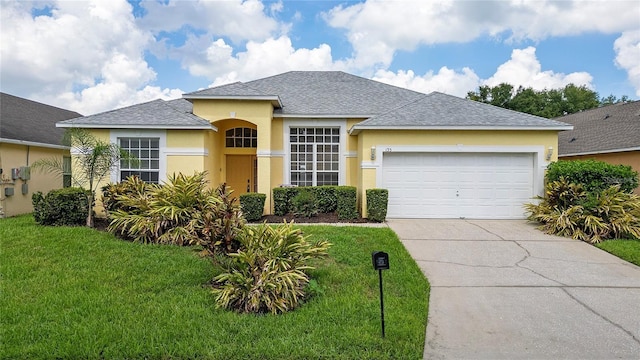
(93, 56)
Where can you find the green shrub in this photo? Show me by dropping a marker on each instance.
(66, 206)
(327, 198)
(184, 211)
(568, 210)
(131, 186)
(268, 273)
(347, 202)
(252, 205)
(282, 197)
(595, 176)
(305, 203)
(377, 201)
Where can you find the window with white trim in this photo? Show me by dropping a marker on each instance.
(241, 138)
(146, 150)
(315, 155)
(66, 171)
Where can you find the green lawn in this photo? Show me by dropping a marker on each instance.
(628, 250)
(79, 293)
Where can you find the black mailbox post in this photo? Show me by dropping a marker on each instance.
(380, 261)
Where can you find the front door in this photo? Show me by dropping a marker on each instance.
(241, 173)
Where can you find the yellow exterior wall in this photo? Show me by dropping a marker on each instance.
(258, 113)
(381, 138)
(15, 156)
(629, 158)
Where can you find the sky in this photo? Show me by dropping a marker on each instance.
(95, 56)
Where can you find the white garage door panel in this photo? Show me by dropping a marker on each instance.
(452, 185)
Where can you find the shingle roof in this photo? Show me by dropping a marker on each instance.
(322, 93)
(26, 120)
(156, 114)
(437, 110)
(606, 129)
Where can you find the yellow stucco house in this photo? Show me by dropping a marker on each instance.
(440, 156)
(28, 133)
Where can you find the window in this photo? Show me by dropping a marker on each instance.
(66, 171)
(241, 138)
(147, 152)
(315, 155)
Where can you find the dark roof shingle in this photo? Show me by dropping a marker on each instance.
(27, 120)
(605, 129)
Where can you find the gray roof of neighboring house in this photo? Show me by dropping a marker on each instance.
(437, 110)
(156, 114)
(605, 129)
(25, 120)
(320, 93)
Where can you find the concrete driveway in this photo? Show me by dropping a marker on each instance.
(501, 289)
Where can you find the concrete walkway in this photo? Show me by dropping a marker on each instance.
(504, 290)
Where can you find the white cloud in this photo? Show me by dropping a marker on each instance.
(627, 48)
(87, 56)
(377, 28)
(218, 62)
(445, 80)
(237, 19)
(524, 69)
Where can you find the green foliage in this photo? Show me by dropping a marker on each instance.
(595, 176)
(546, 103)
(327, 198)
(568, 210)
(282, 197)
(93, 160)
(347, 202)
(377, 201)
(268, 274)
(132, 186)
(184, 211)
(305, 203)
(67, 206)
(252, 205)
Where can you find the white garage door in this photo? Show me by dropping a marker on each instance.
(458, 185)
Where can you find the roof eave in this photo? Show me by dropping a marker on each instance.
(637, 148)
(33, 143)
(355, 130)
(275, 100)
(324, 116)
(154, 127)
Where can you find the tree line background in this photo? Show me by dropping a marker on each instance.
(545, 103)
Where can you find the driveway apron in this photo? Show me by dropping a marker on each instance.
(501, 289)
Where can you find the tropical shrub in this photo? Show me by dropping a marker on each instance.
(568, 210)
(347, 202)
(184, 211)
(67, 206)
(268, 273)
(252, 205)
(305, 203)
(594, 176)
(131, 186)
(377, 201)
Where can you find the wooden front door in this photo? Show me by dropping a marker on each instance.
(241, 173)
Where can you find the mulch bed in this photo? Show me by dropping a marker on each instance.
(319, 218)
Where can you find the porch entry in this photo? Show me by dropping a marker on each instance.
(242, 172)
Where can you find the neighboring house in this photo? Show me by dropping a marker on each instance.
(28, 133)
(610, 134)
(439, 155)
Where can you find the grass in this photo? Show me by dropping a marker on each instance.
(628, 249)
(79, 293)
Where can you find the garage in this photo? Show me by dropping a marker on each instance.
(458, 185)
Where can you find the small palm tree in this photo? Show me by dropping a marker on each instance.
(93, 160)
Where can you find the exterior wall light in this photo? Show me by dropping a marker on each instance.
(373, 153)
(549, 153)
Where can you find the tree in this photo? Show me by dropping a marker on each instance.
(546, 103)
(93, 160)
